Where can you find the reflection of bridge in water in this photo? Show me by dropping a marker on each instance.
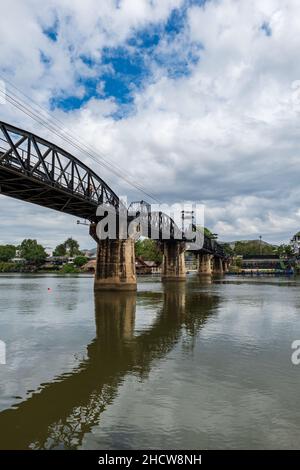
(63, 411)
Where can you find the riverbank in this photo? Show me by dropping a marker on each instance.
(24, 268)
(263, 272)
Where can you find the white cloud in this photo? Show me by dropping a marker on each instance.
(227, 133)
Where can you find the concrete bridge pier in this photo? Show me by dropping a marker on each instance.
(115, 264)
(173, 266)
(218, 265)
(204, 263)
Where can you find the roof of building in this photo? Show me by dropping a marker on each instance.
(151, 264)
(148, 264)
(91, 264)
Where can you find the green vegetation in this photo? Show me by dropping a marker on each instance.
(253, 247)
(33, 257)
(207, 232)
(79, 261)
(256, 247)
(69, 248)
(148, 250)
(228, 250)
(6, 267)
(284, 250)
(32, 252)
(60, 250)
(10, 267)
(69, 269)
(7, 252)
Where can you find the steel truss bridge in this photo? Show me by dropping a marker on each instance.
(35, 170)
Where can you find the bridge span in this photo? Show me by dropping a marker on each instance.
(35, 170)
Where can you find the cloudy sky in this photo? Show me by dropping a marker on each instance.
(195, 100)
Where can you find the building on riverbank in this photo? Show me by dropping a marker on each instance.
(267, 264)
(90, 266)
(147, 267)
(295, 243)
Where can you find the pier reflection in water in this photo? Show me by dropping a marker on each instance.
(61, 413)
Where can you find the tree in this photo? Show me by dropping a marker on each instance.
(60, 250)
(80, 261)
(7, 252)
(208, 233)
(253, 247)
(148, 250)
(284, 250)
(69, 248)
(227, 249)
(32, 252)
(72, 247)
(289, 250)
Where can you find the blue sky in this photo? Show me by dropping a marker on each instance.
(121, 71)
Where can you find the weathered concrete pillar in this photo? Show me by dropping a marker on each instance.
(217, 265)
(115, 265)
(204, 264)
(173, 266)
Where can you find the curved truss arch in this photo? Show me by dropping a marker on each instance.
(36, 170)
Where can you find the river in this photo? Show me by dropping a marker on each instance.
(196, 365)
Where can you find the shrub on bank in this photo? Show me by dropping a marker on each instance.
(69, 269)
(10, 267)
(6, 267)
(80, 261)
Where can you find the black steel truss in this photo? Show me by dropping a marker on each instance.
(160, 226)
(38, 171)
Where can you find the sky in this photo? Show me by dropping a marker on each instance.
(195, 100)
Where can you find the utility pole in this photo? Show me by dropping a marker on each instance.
(260, 247)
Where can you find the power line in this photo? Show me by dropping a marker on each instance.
(68, 136)
(70, 140)
(64, 133)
